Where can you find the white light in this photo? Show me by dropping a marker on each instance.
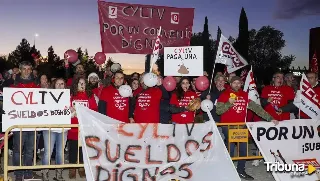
(36, 35)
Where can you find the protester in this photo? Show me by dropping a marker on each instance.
(313, 80)
(79, 72)
(35, 73)
(232, 105)
(95, 85)
(111, 103)
(165, 114)
(291, 81)
(44, 83)
(24, 80)
(57, 139)
(11, 76)
(134, 84)
(219, 87)
(80, 94)
(181, 98)
(275, 96)
(145, 106)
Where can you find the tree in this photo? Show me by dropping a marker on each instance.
(80, 54)
(207, 61)
(23, 52)
(51, 55)
(242, 42)
(265, 48)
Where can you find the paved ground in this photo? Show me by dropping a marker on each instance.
(258, 172)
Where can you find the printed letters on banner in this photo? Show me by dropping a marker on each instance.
(161, 152)
(133, 28)
(307, 100)
(35, 106)
(290, 143)
(227, 55)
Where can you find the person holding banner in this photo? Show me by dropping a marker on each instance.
(232, 105)
(313, 81)
(277, 95)
(80, 95)
(111, 103)
(180, 101)
(24, 80)
(57, 139)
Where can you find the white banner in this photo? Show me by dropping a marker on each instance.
(292, 143)
(307, 99)
(183, 61)
(227, 55)
(24, 106)
(251, 88)
(114, 151)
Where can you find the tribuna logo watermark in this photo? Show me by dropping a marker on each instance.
(294, 169)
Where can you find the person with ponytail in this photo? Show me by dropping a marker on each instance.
(111, 103)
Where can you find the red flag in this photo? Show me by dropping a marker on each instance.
(314, 63)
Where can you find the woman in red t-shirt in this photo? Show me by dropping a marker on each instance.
(80, 95)
(181, 99)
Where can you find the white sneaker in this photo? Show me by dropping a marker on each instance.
(256, 162)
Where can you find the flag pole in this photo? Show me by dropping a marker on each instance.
(214, 65)
(154, 57)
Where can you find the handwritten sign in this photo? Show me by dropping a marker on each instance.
(35, 106)
(183, 61)
(114, 151)
(238, 135)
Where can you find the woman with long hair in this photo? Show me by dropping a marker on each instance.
(58, 140)
(181, 99)
(81, 94)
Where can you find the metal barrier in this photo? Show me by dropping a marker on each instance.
(8, 167)
(236, 134)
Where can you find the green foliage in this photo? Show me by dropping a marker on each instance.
(23, 52)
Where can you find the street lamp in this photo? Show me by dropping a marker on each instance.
(34, 40)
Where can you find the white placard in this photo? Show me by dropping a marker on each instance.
(35, 106)
(291, 142)
(184, 152)
(183, 61)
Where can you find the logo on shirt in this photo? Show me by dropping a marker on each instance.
(119, 102)
(84, 103)
(239, 105)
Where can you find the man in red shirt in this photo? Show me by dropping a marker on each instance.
(313, 80)
(232, 105)
(277, 95)
(111, 103)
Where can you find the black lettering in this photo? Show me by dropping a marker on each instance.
(189, 132)
(260, 132)
(42, 96)
(54, 98)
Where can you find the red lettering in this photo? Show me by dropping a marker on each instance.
(207, 139)
(155, 134)
(89, 140)
(29, 98)
(148, 157)
(190, 143)
(142, 130)
(129, 152)
(309, 93)
(122, 131)
(169, 153)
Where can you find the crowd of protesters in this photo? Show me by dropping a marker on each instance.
(102, 95)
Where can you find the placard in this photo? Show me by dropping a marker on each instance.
(183, 61)
(35, 106)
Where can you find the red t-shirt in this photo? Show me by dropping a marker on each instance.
(236, 113)
(281, 95)
(147, 107)
(69, 82)
(83, 99)
(187, 116)
(117, 106)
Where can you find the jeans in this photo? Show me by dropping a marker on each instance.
(56, 139)
(242, 150)
(27, 146)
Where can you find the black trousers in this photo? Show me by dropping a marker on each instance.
(73, 152)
